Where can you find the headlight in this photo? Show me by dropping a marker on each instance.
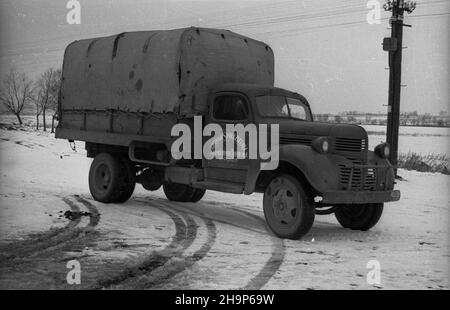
(382, 150)
(321, 145)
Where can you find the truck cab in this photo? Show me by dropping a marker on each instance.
(347, 167)
(324, 167)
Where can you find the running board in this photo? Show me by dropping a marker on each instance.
(220, 186)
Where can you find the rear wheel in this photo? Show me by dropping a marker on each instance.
(128, 181)
(182, 192)
(287, 209)
(198, 194)
(359, 217)
(111, 178)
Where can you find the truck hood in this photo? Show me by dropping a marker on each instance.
(317, 129)
(303, 132)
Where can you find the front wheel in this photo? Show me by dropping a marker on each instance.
(359, 217)
(287, 208)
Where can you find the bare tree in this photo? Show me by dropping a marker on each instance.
(47, 87)
(38, 109)
(16, 92)
(55, 91)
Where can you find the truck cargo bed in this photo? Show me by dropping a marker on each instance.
(140, 83)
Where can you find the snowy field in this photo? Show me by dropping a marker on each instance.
(219, 243)
(421, 140)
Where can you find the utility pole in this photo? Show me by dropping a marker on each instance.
(394, 46)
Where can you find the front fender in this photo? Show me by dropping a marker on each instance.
(320, 170)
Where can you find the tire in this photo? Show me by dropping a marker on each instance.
(151, 180)
(182, 192)
(111, 178)
(128, 180)
(287, 208)
(359, 217)
(198, 194)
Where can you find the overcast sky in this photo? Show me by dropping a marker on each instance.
(324, 50)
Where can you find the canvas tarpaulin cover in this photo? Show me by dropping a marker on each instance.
(160, 71)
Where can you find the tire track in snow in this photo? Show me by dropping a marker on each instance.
(185, 234)
(277, 255)
(174, 268)
(94, 217)
(75, 209)
(182, 208)
(274, 262)
(42, 241)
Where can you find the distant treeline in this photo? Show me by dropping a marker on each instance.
(406, 119)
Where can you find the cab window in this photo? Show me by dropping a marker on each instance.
(281, 106)
(230, 108)
(298, 109)
(272, 106)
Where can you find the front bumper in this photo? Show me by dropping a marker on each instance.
(359, 197)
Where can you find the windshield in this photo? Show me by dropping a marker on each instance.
(281, 106)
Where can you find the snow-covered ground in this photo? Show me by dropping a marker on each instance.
(421, 140)
(219, 243)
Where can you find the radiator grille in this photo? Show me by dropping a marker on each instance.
(360, 179)
(292, 139)
(350, 145)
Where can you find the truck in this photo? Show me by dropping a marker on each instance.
(123, 94)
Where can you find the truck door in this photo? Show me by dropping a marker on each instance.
(228, 174)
